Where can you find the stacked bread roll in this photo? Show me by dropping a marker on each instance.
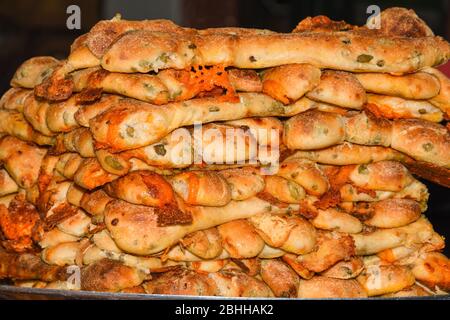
(119, 173)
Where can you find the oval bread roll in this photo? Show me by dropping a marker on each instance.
(349, 153)
(345, 269)
(288, 83)
(142, 187)
(244, 183)
(206, 244)
(332, 219)
(247, 245)
(422, 140)
(414, 86)
(7, 184)
(134, 124)
(281, 279)
(128, 223)
(382, 175)
(393, 213)
(398, 108)
(432, 269)
(379, 279)
(324, 287)
(33, 71)
(339, 88)
(14, 99)
(441, 100)
(203, 188)
(14, 124)
(21, 160)
(130, 53)
(313, 130)
(283, 189)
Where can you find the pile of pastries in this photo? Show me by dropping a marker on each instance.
(158, 159)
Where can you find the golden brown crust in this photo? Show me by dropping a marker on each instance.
(109, 275)
(388, 54)
(33, 71)
(420, 231)
(62, 254)
(345, 269)
(14, 124)
(416, 86)
(367, 129)
(404, 44)
(79, 140)
(180, 282)
(339, 88)
(89, 111)
(393, 213)
(348, 153)
(413, 291)
(60, 117)
(281, 279)
(245, 80)
(232, 283)
(91, 175)
(248, 245)
(266, 130)
(244, 183)
(68, 164)
(142, 187)
(381, 279)
(20, 224)
(205, 244)
(14, 98)
(336, 220)
(288, 83)
(58, 86)
(382, 175)
(305, 173)
(283, 189)
(433, 269)
(131, 124)
(202, 188)
(398, 108)
(7, 184)
(422, 140)
(95, 202)
(35, 111)
(21, 160)
(129, 223)
(441, 100)
(403, 22)
(313, 130)
(105, 32)
(54, 237)
(321, 24)
(330, 250)
(113, 163)
(169, 85)
(324, 287)
(28, 267)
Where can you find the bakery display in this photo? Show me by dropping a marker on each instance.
(230, 162)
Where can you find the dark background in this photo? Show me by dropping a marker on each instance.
(38, 27)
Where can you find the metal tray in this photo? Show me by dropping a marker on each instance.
(8, 292)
